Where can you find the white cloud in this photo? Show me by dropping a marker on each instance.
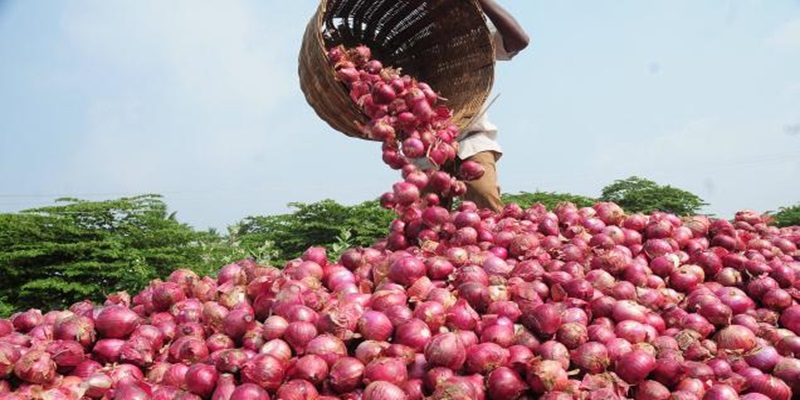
(786, 37)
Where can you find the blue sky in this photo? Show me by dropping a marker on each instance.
(199, 101)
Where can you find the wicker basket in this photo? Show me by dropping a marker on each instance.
(444, 43)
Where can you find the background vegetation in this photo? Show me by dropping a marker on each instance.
(53, 256)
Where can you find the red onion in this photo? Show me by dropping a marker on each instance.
(188, 349)
(790, 319)
(226, 384)
(9, 354)
(97, 385)
(505, 383)
(770, 386)
(175, 375)
(720, 392)
(592, 357)
(249, 391)
(543, 321)
(668, 372)
(231, 360)
(297, 390)
(635, 366)
(346, 374)
(433, 313)
(381, 390)
(720, 367)
(116, 322)
(165, 294)
(392, 370)
(414, 333)
(446, 350)
(75, 327)
(735, 338)
(547, 376)
(485, 357)
(374, 325)
(572, 335)
(764, 358)
(263, 370)
(651, 390)
(327, 346)
(310, 367)
(298, 334)
(27, 320)
(736, 299)
(788, 370)
(201, 379)
(617, 348)
(501, 334)
(35, 367)
(553, 350)
(754, 396)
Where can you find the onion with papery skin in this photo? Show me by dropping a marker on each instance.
(249, 391)
(635, 366)
(414, 333)
(310, 367)
(592, 357)
(27, 320)
(544, 320)
(264, 370)
(485, 357)
(35, 367)
(116, 322)
(297, 390)
(381, 390)
(226, 384)
(9, 354)
(346, 374)
(651, 390)
(201, 379)
(505, 383)
(546, 376)
(735, 338)
(771, 387)
(389, 369)
(446, 350)
(790, 319)
(374, 325)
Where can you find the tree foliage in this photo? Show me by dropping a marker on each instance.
(636, 194)
(548, 199)
(53, 256)
(788, 216)
(325, 223)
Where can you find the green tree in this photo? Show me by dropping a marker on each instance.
(788, 216)
(53, 256)
(642, 195)
(325, 223)
(548, 199)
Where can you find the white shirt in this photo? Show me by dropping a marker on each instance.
(482, 134)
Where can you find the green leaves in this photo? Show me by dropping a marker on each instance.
(548, 199)
(325, 223)
(51, 257)
(641, 195)
(788, 216)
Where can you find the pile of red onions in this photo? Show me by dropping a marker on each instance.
(405, 117)
(569, 303)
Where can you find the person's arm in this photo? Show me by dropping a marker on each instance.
(514, 36)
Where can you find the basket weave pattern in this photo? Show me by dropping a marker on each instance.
(444, 43)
